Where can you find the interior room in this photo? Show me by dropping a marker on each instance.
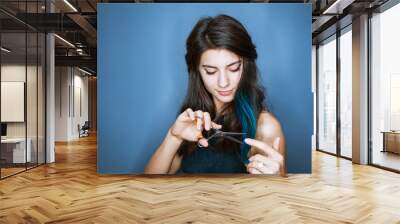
(55, 96)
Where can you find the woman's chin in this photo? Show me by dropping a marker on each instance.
(225, 99)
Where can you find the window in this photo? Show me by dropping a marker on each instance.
(346, 92)
(327, 95)
(385, 88)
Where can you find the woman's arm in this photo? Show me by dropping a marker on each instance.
(188, 126)
(176, 164)
(160, 162)
(270, 129)
(269, 145)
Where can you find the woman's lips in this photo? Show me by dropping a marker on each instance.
(225, 93)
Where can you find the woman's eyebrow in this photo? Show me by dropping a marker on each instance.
(209, 66)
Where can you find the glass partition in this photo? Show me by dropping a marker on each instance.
(14, 153)
(22, 78)
(385, 89)
(327, 95)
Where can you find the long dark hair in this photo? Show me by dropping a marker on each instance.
(224, 32)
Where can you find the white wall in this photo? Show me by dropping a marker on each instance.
(81, 103)
(71, 92)
(15, 72)
(9, 73)
(62, 81)
(33, 127)
(314, 91)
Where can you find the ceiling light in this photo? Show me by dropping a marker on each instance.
(5, 50)
(65, 41)
(70, 5)
(338, 6)
(329, 9)
(84, 71)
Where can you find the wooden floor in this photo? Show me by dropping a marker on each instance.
(5, 172)
(70, 191)
(387, 159)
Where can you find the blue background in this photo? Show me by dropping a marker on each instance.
(142, 75)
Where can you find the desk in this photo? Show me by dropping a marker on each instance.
(391, 141)
(15, 148)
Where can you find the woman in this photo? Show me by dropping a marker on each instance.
(223, 94)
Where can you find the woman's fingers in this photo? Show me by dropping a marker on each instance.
(264, 164)
(199, 124)
(263, 148)
(199, 119)
(252, 170)
(276, 144)
(203, 120)
(190, 114)
(216, 126)
(207, 121)
(260, 169)
(265, 159)
(203, 142)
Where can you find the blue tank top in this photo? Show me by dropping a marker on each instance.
(211, 160)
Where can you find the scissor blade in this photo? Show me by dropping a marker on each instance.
(233, 139)
(233, 133)
(213, 135)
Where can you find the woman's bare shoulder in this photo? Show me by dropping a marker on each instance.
(268, 126)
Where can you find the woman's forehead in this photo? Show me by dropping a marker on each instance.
(218, 57)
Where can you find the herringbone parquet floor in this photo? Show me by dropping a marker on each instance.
(70, 191)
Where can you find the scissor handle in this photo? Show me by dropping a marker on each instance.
(217, 133)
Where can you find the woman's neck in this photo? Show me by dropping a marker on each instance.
(219, 106)
(219, 110)
(223, 110)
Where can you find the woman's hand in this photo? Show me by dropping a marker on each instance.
(189, 126)
(265, 159)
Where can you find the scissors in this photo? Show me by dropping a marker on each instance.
(224, 134)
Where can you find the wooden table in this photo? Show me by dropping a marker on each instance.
(13, 150)
(391, 141)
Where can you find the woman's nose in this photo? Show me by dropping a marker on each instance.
(223, 80)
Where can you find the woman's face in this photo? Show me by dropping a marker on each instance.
(221, 71)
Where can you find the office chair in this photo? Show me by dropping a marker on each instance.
(84, 130)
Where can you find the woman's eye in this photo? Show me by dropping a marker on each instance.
(237, 69)
(210, 73)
